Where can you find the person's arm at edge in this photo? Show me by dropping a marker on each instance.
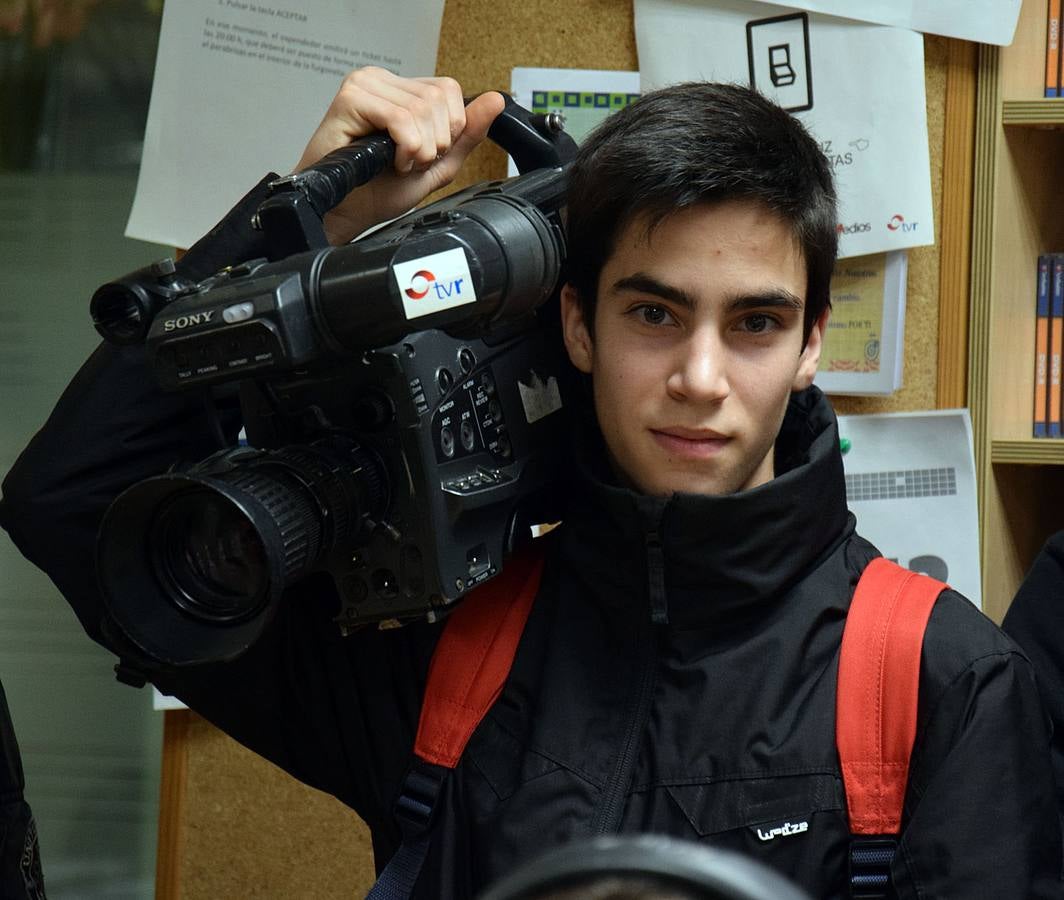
(980, 818)
(1035, 620)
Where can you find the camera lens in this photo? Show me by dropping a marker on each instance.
(192, 565)
(210, 556)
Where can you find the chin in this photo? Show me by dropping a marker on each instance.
(688, 485)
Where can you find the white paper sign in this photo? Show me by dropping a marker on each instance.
(858, 88)
(910, 480)
(864, 344)
(986, 21)
(240, 87)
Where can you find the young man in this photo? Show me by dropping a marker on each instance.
(677, 672)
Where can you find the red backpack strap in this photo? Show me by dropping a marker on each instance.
(473, 658)
(466, 676)
(878, 690)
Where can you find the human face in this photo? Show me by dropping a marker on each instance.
(697, 347)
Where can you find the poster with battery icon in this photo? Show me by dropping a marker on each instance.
(778, 56)
(858, 88)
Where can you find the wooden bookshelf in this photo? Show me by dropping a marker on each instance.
(1047, 113)
(1016, 215)
(1028, 452)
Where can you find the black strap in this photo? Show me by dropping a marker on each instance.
(414, 810)
(870, 861)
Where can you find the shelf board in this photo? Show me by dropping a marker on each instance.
(1032, 452)
(1033, 113)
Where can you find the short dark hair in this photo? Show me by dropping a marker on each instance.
(695, 143)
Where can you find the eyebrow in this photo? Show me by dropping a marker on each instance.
(642, 283)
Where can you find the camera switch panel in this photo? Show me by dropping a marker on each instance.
(470, 421)
(198, 358)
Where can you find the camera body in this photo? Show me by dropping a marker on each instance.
(402, 400)
(469, 438)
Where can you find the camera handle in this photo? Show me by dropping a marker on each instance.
(291, 217)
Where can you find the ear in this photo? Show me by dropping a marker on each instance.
(810, 358)
(578, 341)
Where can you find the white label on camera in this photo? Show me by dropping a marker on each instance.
(434, 283)
(540, 398)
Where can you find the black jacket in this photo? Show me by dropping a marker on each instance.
(21, 876)
(1035, 620)
(677, 673)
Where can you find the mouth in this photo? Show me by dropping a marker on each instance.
(690, 443)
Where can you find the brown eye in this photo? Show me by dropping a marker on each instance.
(654, 315)
(757, 323)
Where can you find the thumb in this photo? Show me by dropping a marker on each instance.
(479, 115)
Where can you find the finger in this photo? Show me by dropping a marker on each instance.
(427, 103)
(451, 92)
(441, 114)
(479, 115)
(405, 115)
(367, 103)
(374, 114)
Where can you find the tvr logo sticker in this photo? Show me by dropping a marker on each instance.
(434, 283)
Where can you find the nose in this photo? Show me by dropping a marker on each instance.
(700, 369)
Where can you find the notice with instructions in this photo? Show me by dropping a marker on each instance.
(910, 481)
(865, 339)
(859, 88)
(240, 87)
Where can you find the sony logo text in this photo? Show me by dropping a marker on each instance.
(200, 318)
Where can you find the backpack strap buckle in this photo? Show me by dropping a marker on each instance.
(416, 803)
(870, 861)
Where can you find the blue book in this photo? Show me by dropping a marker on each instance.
(1041, 346)
(1056, 341)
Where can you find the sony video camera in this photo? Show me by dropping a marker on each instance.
(401, 398)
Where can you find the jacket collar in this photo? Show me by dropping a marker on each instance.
(715, 559)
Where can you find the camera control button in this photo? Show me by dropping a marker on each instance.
(385, 584)
(468, 435)
(444, 380)
(447, 442)
(238, 312)
(467, 360)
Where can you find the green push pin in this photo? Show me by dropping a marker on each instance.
(845, 445)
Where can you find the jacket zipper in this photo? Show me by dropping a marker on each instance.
(608, 817)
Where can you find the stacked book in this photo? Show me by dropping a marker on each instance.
(1048, 345)
(1054, 88)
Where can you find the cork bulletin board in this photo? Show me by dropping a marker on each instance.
(232, 825)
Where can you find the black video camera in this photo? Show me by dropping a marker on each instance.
(401, 398)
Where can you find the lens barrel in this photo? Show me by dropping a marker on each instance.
(192, 565)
